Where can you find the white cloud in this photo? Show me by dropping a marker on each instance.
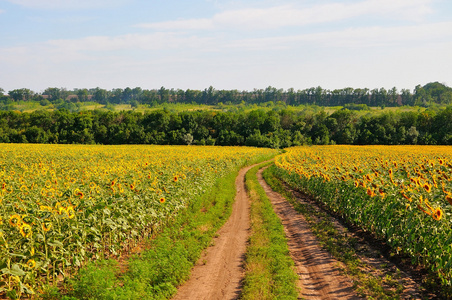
(289, 15)
(402, 36)
(66, 4)
(93, 49)
(103, 47)
(384, 36)
(105, 44)
(190, 24)
(138, 48)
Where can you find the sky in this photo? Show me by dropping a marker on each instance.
(227, 44)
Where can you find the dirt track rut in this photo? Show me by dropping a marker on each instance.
(319, 273)
(219, 272)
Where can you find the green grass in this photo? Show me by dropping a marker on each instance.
(156, 272)
(341, 245)
(269, 268)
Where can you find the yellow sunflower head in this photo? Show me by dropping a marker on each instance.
(26, 230)
(70, 212)
(438, 214)
(31, 263)
(427, 187)
(449, 199)
(370, 192)
(15, 220)
(46, 226)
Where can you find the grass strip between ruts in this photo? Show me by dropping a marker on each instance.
(156, 272)
(269, 268)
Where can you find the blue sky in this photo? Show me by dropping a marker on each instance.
(241, 44)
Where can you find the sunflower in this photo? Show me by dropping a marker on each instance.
(70, 212)
(418, 181)
(79, 194)
(62, 210)
(370, 192)
(15, 220)
(175, 178)
(427, 187)
(25, 230)
(46, 226)
(31, 263)
(437, 214)
(162, 200)
(449, 199)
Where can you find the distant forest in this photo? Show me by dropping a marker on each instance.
(428, 94)
(259, 127)
(277, 127)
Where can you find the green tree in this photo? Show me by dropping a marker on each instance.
(20, 94)
(82, 95)
(134, 104)
(101, 96)
(163, 95)
(56, 93)
(187, 138)
(412, 135)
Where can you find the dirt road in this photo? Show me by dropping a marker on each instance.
(319, 273)
(219, 272)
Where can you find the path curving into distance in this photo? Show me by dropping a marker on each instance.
(219, 272)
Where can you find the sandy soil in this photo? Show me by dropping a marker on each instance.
(219, 272)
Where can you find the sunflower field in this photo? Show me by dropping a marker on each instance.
(402, 194)
(62, 205)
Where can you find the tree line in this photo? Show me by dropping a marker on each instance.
(430, 93)
(262, 128)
